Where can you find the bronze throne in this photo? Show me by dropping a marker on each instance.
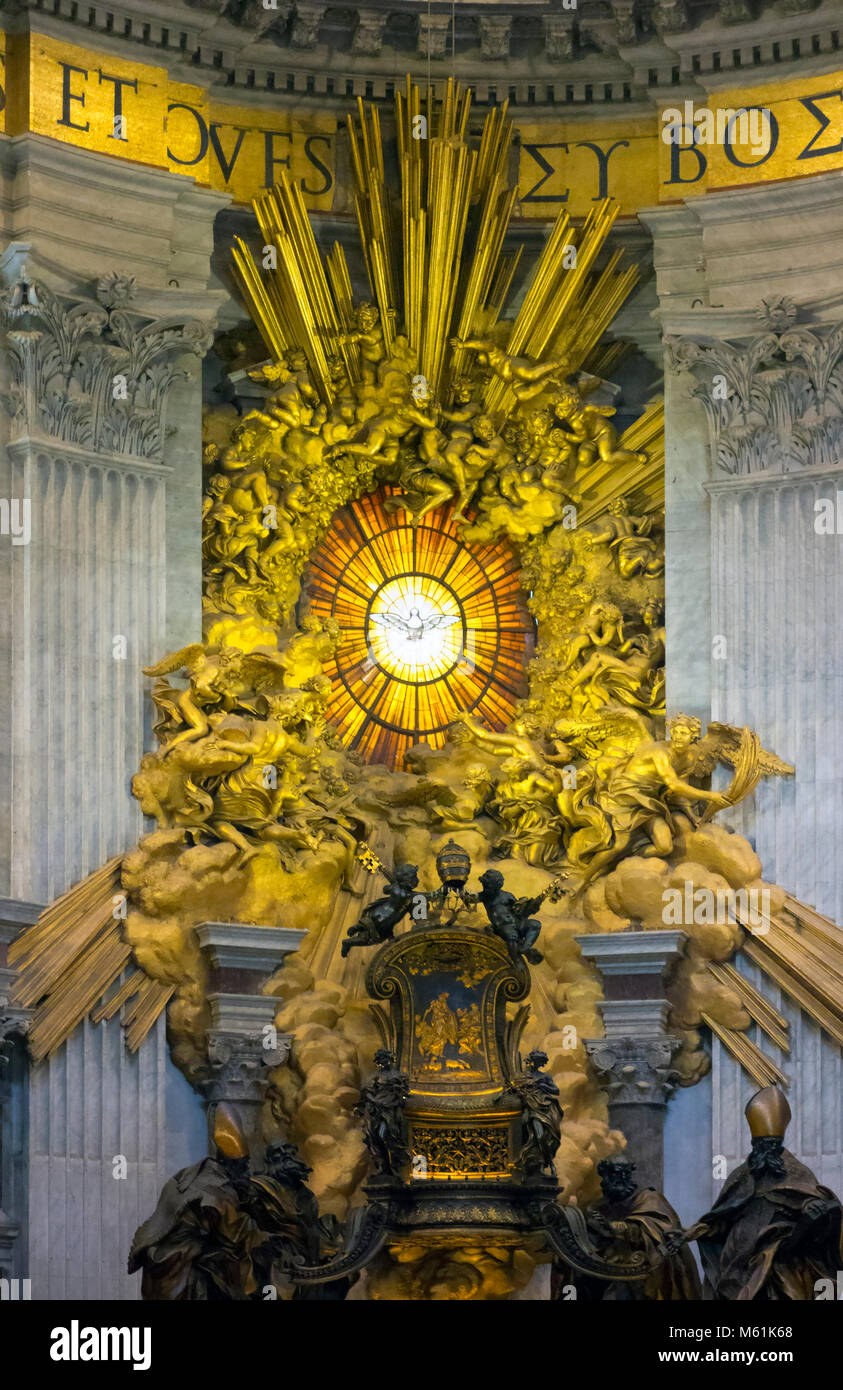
(461, 1135)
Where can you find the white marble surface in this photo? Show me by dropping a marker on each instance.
(743, 561)
(115, 550)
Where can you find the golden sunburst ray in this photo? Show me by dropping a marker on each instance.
(436, 264)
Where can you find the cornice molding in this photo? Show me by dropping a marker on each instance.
(605, 53)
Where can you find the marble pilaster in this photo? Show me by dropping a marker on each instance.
(752, 588)
(242, 1042)
(633, 1061)
(108, 582)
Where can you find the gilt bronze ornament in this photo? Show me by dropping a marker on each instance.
(462, 1137)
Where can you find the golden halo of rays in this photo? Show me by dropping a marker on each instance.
(434, 253)
(389, 690)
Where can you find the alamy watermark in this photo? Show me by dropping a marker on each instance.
(828, 515)
(700, 906)
(727, 126)
(16, 519)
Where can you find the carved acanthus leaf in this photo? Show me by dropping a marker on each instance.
(774, 403)
(93, 374)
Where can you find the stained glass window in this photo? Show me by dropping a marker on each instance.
(431, 627)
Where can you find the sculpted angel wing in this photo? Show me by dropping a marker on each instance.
(262, 670)
(176, 660)
(725, 743)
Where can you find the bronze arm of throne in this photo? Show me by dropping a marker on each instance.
(462, 1136)
(563, 1228)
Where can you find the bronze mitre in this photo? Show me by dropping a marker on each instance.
(228, 1136)
(768, 1113)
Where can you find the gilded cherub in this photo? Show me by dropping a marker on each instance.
(551, 450)
(590, 428)
(255, 795)
(307, 651)
(232, 521)
(293, 398)
(215, 678)
(168, 793)
(634, 806)
(525, 378)
(382, 433)
(599, 737)
(633, 673)
(602, 627)
(485, 453)
(368, 335)
(517, 743)
(525, 804)
(738, 748)
(629, 537)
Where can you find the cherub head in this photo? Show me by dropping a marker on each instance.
(384, 1059)
(218, 484)
(515, 767)
(512, 432)
(406, 876)
(609, 612)
(652, 614)
(539, 423)
(536, 1059)
(334, 784)
(463, 391)
(484, 429)
(319, 685)
(683, 730)
(298, 360)
(567, 400)
(475, 775)
(492, 880)
(620, 507)
(367, 316)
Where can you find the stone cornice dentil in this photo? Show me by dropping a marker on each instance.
(603, 53)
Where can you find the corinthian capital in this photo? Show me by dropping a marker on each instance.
(93, 371)
(635, 1070)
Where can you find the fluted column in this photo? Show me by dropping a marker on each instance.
(109, 304)
(749, 303)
